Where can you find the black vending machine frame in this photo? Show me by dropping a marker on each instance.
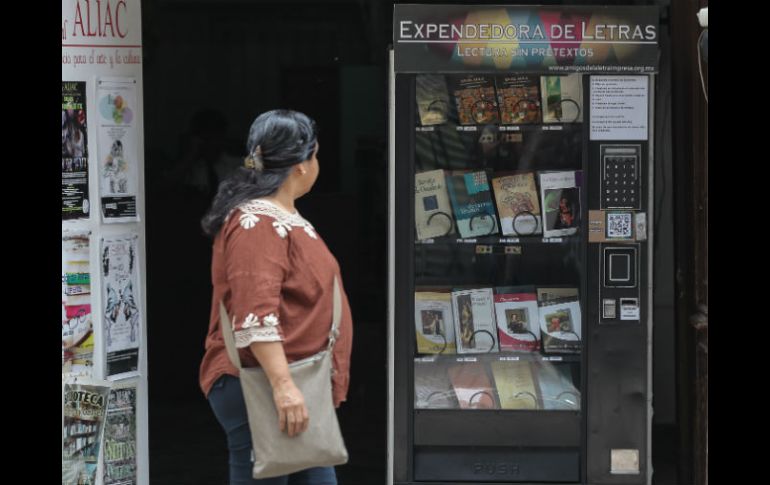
(615, 362)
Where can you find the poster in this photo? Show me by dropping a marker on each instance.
(77, 335)
(117, 148)
(84, 402)
(74, 151)
(120, 437)
(121, 316)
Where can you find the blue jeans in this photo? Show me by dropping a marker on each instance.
(226, 399)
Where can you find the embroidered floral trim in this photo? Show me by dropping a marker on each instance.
(256, 334)
(281, 228)
(284, 221)
(270, 320)
(249, 220)
(251, 321)
(254, 331)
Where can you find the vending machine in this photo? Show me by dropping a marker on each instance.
(520, 273)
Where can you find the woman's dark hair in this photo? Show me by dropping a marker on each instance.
(277, 140)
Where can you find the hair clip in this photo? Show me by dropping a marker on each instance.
(254, 159)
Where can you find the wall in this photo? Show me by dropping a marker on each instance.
(103, 39)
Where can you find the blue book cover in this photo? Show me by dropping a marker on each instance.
(472, 203)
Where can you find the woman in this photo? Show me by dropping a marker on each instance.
(275, 275)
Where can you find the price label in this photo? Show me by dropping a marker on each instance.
(483, 249)
(467, 359)
(509, 359)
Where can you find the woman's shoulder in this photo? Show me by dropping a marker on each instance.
(262, 215)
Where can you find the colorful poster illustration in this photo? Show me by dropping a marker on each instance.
(117, 148)
(74, 151)
(77, 335)
(122, 318)
(84, 402)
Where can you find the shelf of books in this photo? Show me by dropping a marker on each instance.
(497, 261)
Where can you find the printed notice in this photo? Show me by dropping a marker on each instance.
(619, 108)
(121, 317)
(117, 148)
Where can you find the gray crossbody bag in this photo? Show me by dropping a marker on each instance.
(275, 453)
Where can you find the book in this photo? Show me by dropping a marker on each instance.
(518, 204)
(474, 319)
(516, 385)
(557, 391)
(553, 294)
(472, 203)
(432, 211)
(475, 99)
(517, 319)
(432, 389)
(472, 386)
(432, 99)
(560, 202)
(518, 97)
(434, 322)
(562, 98)
(560, 327)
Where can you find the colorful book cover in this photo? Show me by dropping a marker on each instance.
(560, 327)
(432, 99)
(518, 204)
(472, 203)
(560, 195)
(517, 320)
(432, 389)
(518, 97)
(516, 385)
(475, 99)
(432, 210)
(474, 318)
(562, 98)
(472, 386)
(434, 322)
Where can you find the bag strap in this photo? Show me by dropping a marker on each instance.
(227, 327)
(336, 314)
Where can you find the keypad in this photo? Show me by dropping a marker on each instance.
(620, 180)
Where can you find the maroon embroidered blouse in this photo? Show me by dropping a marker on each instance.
(275, 276)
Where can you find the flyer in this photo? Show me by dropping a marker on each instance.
(84, 402)
(120, 437)
(77, 336)
(74, 151)
(122, 317)
(117, 148)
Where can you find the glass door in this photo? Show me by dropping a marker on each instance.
(495, 275)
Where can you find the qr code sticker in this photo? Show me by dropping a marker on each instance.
(619, 225)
